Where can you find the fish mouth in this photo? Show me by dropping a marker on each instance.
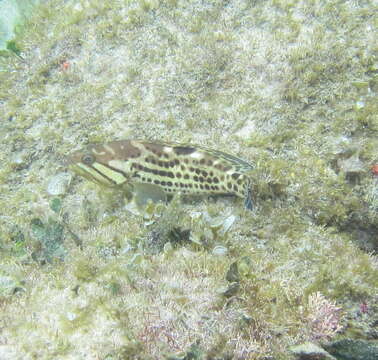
(91, 174)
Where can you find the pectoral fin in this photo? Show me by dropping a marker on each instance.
(145, 192)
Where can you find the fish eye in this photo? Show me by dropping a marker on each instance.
(88, 159)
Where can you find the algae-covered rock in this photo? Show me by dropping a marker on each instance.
(230, 290)
(50, 240)
(58, 184)
(194, 353)
(353, 167)
(310, 351)
(233, 273)
(8, 286)
(7, 352)
(11, 14)
(288, 86)
(350, 349)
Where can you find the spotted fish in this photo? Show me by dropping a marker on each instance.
(165, 167)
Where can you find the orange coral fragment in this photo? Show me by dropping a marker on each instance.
(65, 65)
(374, 169)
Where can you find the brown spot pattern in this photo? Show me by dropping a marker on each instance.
(177, 171)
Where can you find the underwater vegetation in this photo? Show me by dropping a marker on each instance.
(288, 86)
(12, 15)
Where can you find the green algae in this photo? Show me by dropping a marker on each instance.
(49, 236)
(290, 86)
(12, 15)
(193, 353)
(56, 205)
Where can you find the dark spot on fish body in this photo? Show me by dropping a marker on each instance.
(134, 155)
(183, 150)
(156, 149)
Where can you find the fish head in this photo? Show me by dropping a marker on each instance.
(105, 164)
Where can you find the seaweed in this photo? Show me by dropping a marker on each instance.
(289, 86)
(49, 237)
